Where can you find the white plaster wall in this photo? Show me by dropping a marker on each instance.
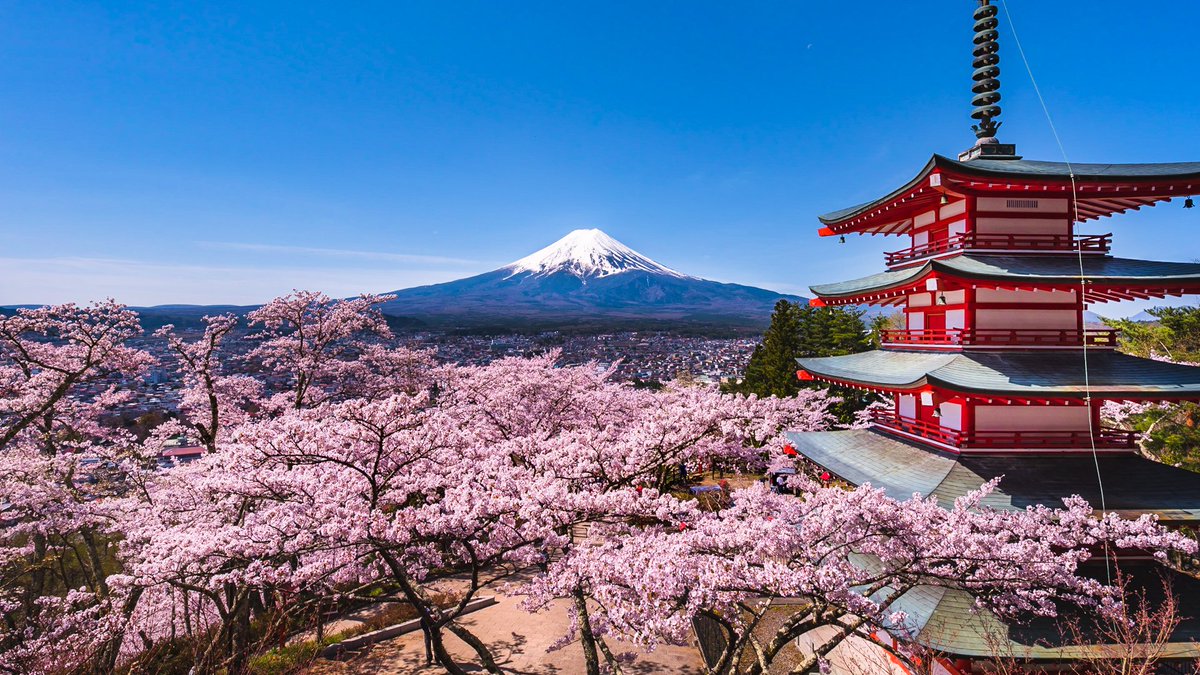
(916, 320)
(924, 219)
(953, 209)
(1031, 418)
(1021, 225)
(951, 416)
(956, 318)
(1016, 319)
(955, 297)
(1041, 297)
(908, 406)
(920, 300)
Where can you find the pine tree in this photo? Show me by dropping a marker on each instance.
(797, 331)
(772, 367)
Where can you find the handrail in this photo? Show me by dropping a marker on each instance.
(1084, 243)
(1106, 438)
(917, 427)
(1002, 337)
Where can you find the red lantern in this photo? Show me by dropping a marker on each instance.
(682, 527)
(826, 477)
(789, 450)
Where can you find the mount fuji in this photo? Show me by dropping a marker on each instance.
(586, 280)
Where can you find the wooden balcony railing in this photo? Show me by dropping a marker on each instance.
(1106, 438)
(1085, 243)
(999, 337)
(936, 432)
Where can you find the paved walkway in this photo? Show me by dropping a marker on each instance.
(519, 641)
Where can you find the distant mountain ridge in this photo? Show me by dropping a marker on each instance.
(587, 278)
(585, 282)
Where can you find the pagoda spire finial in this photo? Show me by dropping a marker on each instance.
(987, 70)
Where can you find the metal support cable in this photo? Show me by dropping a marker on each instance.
(1083, 282)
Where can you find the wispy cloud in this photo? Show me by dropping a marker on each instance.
(338, 253)
(136, 282)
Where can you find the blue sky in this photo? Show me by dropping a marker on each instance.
(170, 152)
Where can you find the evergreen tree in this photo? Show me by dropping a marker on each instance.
(799, 331)
(1172, 431)
(772, 367)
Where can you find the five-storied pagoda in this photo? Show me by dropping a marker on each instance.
(995, 372)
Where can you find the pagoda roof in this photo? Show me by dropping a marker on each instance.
(1133, 485)
(1103, 189)
(950, 621)
(1016, 374)
(1103, 273)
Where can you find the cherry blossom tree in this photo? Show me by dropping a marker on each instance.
(62, 369)
(481, 480)
(212, 400)
(311, 341)
(348, 469)
(849, 554)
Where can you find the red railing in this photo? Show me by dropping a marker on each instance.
(1106, 438)
(1086, 243)
(1001, 337)
(889, 420)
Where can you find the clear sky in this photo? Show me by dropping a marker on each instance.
(193, 152)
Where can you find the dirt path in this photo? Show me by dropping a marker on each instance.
(519, 641)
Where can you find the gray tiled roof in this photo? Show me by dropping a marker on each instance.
(1028, 168)
(1089, 172)
(947, 619)
(1042, 269)
(1132, 484)
(1057, 373)
(950, 621)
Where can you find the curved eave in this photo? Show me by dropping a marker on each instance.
(1033, 170)
(1108, 278)
(1010, 375)
(834, 218)
(902, 468)
(1103, 189)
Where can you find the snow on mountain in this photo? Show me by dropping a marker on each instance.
(588, 254)
(586, 278)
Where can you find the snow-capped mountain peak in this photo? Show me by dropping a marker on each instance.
(588, 254)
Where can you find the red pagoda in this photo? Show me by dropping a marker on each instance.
(994, 372)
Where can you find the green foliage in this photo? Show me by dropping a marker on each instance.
(772, 367)
(884, 322)
(798, 331)
(1173, 436)
(1176, 334)
(292, 658)
(1172, 433)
